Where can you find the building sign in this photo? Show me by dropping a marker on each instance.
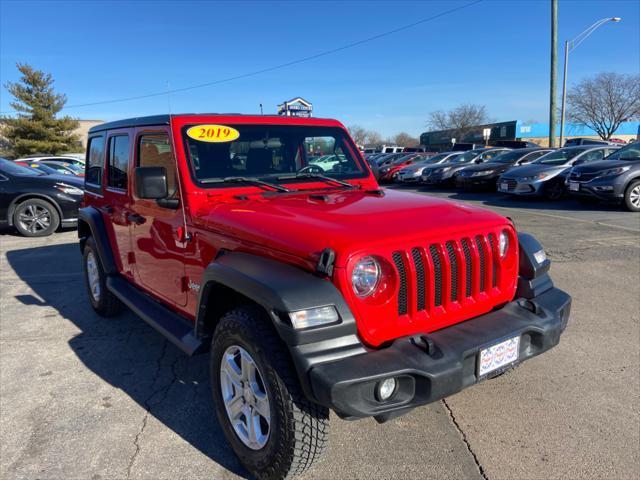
(296, 107)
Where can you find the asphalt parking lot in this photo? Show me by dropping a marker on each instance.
(86, 398)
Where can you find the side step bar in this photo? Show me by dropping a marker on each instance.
(174, 327)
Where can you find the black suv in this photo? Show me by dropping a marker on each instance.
(614, 179)
(37, 203)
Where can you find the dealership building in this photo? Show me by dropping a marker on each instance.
(518, 130)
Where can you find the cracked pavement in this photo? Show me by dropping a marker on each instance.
(88, 398)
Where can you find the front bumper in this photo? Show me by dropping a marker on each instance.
(606, 189)
(516, 187)
(348, 385)
(481, 181)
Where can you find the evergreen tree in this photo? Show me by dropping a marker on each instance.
(35, 128)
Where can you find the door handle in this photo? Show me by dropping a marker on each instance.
(108, 209)
(135, 218)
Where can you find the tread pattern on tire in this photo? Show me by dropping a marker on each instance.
(310, 421)
(109, 305)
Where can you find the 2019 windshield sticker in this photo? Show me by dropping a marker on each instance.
(213, 133)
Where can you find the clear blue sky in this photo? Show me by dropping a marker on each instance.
(494, 53)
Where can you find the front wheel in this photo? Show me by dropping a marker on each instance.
(271, 426)
(554, 191)
(632, 197)
(36, 218)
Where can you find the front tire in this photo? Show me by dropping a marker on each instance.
(554, 191)
(632, 197)
(36, 218)
(274, 430)
(105, 303)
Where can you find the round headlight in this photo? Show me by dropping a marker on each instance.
(365, 276)
(503, 243)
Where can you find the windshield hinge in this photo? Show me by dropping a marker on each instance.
(325, 262)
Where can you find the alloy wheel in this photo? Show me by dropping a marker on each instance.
(34, 218)
(93, 276)
(634, 196)
(245, 397)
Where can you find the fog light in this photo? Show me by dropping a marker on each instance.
(386, 389)
(314, 317)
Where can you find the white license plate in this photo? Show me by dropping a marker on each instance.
(498, 356)
(574, 186)
(504, 186)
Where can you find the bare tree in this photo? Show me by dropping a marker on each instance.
(403, 139)
(358, 133)
(373, 138)
(461, 119)
(605, 101)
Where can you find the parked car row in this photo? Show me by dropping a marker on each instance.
(36, 202)
(590, 172)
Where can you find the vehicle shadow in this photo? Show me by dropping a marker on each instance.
(495, 199)
(127, 353)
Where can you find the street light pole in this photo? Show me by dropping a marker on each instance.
(569, 46)
(554, 66)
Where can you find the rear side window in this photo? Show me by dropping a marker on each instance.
(154, 150)
(93, 169)
(118, 162)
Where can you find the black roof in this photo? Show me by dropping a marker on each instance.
(159, 120)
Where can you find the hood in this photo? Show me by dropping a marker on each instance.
(605, 165)
(72, 180)
(534, 168)
(349, 222)
(481, 167)
(444, 164)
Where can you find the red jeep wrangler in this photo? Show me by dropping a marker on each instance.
(313, 288)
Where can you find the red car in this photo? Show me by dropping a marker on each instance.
(312, 290)
(388, 172)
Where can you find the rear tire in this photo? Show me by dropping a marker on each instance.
(292, 435)
(632, 196)
(36, 218)
(105, 303)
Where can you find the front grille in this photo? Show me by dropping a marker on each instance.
(402, 291)
(437, 275)
(583, 176)
(453, 278)
(447, 273)
(511, 183)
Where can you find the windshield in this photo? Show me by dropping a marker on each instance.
(402, 159)
(630, 152)
(465, 157)
(510, 157)
(269, 152)
(559, 157)
(11, 168)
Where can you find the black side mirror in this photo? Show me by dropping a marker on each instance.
(151, 182)
(478, 160)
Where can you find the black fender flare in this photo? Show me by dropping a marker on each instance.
(533, 276)
(90, 222)
(280, 288)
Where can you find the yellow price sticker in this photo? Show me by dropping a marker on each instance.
(213, 133)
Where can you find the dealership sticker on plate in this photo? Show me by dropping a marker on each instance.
(498, 356)
(213, 133)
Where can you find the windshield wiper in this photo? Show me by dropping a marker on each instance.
(250, 181)
(319, 176)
